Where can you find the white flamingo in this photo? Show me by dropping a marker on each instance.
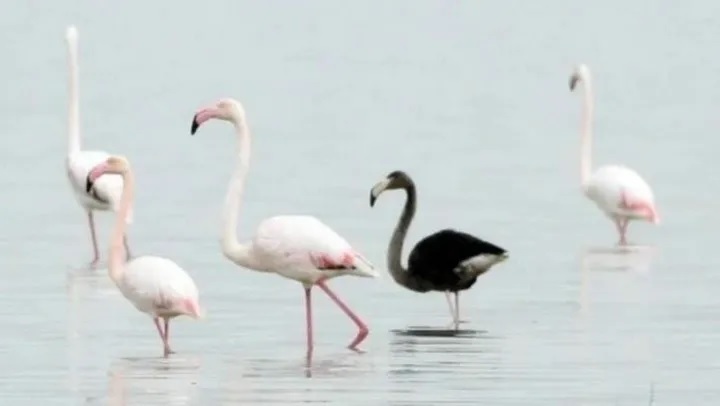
(301, 248)
(617, 190)
(154, 285)
(105, 192)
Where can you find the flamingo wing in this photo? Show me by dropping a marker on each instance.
(156, 285)
(622, 191)
(304, 242)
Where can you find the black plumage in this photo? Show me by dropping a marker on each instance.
(447, 261)
(437, 257)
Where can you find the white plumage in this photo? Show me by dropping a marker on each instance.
(294, 246)
(154, 285)
(106, 190)
(301, 248)
(159, 287)
(610, 184)
(620, 192)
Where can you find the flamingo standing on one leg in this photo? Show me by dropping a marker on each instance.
(301, 248)
(154, 285)
(617, 190)
(106, 191)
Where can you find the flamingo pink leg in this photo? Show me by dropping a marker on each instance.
(309, 322)
(96, 254)
(362, 328)
(163, 335)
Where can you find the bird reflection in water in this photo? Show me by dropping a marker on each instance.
(598, 262)
(153, 381)
(332, 365)
(415, 359)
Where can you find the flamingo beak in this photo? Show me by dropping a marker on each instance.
(377, 189)
(94, 173)
(195, 125)
(573, 81)
(88, 184)
(202, 116)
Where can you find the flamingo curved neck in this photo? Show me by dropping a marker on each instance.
(73, 113)
(394, 255)
(586, 132)
(231, 247)
(116, 261)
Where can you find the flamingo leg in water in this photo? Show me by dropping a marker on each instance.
(457, 310)
(454, 310)
(362, 328)
(309, 322)
(621, 225)
(453, 323)
(163, 335)
(93, 237)
(450, 305)
(166, 340)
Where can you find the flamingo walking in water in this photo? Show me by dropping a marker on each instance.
(154, 285)
(106, 191)
(301, 248)
(617, 190)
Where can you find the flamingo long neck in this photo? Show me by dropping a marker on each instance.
(231, 247)
(74, 111)
(116, 262)
(394, 253)
(586, 132)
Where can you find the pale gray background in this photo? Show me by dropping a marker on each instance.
(469, 97)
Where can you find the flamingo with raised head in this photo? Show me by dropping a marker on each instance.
(301, 248)
(106, 191)
(620, 192)
(154, 285)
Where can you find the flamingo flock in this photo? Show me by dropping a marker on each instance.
(303, 248)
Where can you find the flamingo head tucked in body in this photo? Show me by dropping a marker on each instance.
(118, 165)
(224, 109)
(394, 180)
(581, 73)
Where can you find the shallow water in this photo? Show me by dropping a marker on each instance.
(468, 97)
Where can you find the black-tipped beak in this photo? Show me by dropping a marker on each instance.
(194, 126)
(372, 199)
(573, 82)
(88, 184)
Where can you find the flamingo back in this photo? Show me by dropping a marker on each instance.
(302, 247)
(159, 287)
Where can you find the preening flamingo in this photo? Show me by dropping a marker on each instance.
(617, 190)
(446, 261)
(105, 191)
(301, 248)
(154, 285)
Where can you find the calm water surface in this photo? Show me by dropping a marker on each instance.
(469, 97)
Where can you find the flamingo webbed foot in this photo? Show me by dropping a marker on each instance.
(361, 335)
